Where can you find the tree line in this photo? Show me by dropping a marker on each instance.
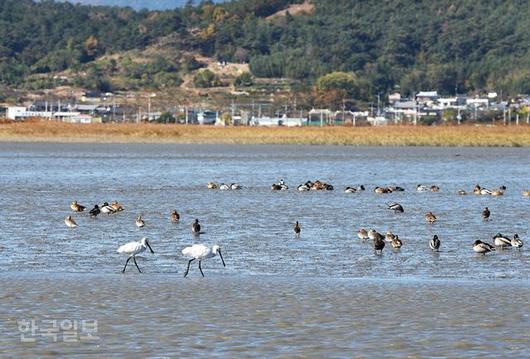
(381, 46)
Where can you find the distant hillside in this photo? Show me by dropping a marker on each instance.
(141, 4)
(448, 45)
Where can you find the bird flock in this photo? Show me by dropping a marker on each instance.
(201, 252)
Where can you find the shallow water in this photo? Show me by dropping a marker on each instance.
(278, 295)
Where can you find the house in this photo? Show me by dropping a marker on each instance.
(278, 121)
(427, 97)
(207, 117)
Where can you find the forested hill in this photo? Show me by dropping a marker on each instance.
(141, 4)
(445, 44)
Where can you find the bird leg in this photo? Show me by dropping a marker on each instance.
(127, 262)
(201, 268)
(188, 269)
(134, 259)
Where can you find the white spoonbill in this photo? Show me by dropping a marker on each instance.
(134, 248)
(201, 252)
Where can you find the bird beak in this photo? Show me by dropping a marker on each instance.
(151, 249)
(220, 255)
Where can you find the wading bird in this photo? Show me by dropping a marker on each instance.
(132, 249)
(70, 222)
(434, 243)
(201, 252)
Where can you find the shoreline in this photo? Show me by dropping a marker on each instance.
(393, 135)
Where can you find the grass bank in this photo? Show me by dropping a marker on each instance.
(49, 131)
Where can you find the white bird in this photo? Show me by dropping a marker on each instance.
(235, 186)
(140, 222)
(201, 252)
(224, 187)
(70, 222)
(134, 248)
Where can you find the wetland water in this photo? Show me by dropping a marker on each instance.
(325, 294)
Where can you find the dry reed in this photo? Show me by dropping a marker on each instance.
(51, 131)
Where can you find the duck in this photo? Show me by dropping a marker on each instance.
(303, 188)
(117, 206)
(70, 222)
(140, 223)
(76, 207)
(212, 185)
(389, 236)
(486, 213)
(297, 229)
(380, 190)
(196, 227)
(516, 241)
(434, 243)
(379, 244)
(175, 216)
(235, 186)
(502, 241)
(461, 192)
(497, 192)
(107, 209)
(361, 188)
(95, 211)
(373, 234)
(350, 190)
(482, 247)
(477, 189)
(276, 187)
(284, 187)
(396, 189)
(362, 234)
(435, 188)
(422, 188)
(430, 217)
(396, 242)
(485, 191)
(526, 193)
(396, 207)
(224, 187)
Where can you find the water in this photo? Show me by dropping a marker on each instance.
(325, 294)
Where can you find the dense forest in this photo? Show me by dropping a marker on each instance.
(448, 45)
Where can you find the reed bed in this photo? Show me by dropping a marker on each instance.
(451, 136)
